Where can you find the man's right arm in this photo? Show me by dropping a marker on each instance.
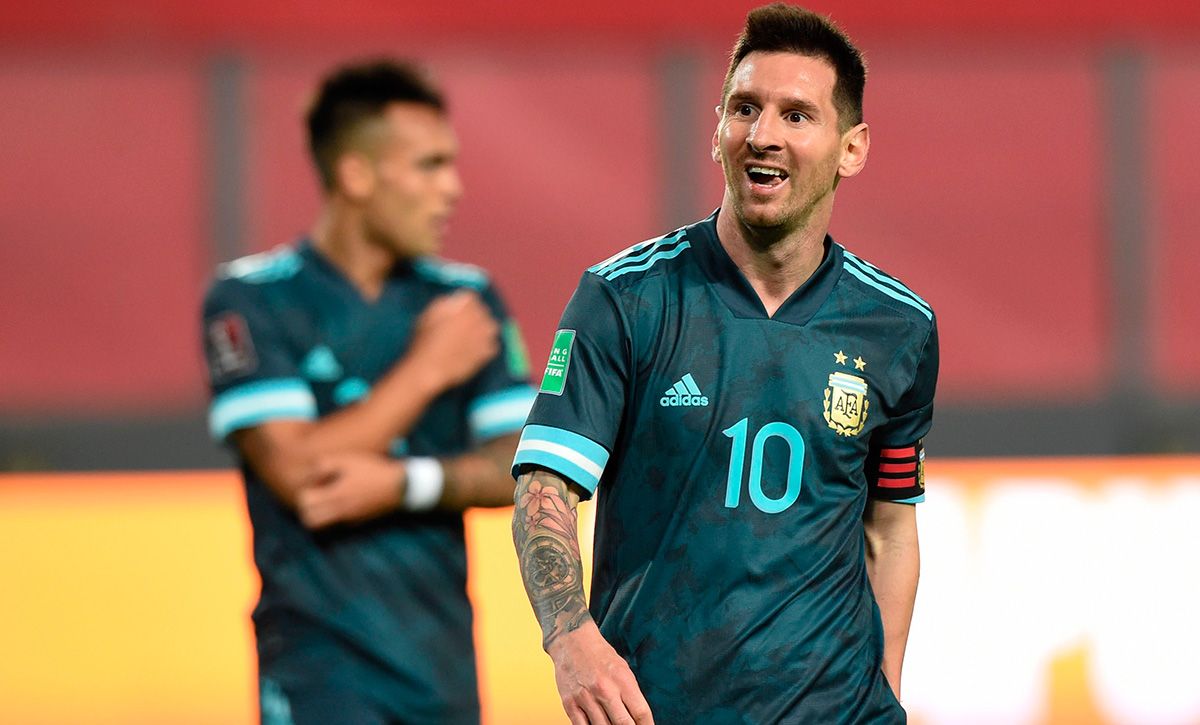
(595, 683)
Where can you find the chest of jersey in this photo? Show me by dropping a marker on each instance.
(342, 345)
(757, 412)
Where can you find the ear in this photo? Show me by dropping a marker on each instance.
(855, 144)
(355, 175)
(716, 139)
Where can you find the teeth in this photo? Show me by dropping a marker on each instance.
(764, 170)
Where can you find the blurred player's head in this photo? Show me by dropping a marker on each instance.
(384, 148)
(790, 123)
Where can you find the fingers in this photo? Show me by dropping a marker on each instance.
(616, 701)
(323, 471)
(461, 301)
(632, 699)
(320, 504)
(638, 708)
(315, 507)
(625, 704)
(617, 708)
(575, 715)
(596, 714)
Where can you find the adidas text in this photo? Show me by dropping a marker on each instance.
(673, 401)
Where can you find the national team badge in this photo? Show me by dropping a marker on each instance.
(846, 403)
(230, 349)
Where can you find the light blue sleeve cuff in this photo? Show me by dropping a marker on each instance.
(914, 499)
(258, 402)
(499, 413)
(571, 455)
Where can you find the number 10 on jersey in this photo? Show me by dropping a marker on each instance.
(737, 459)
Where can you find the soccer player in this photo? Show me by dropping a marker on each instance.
(372, 392)
(747, 399)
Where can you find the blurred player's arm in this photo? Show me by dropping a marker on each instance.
(354, 487)
(453, 339)
(893, 566)
(594, 682)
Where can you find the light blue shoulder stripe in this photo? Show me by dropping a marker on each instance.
(451, 273)
(634, 254)
(889, 291)
(878, 274)
(276, 264)
(501, 412)
(653, 260)
(576, 457)
(258, 402)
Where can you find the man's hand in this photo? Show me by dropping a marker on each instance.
(455, 336)
(595, 683)
(351, 487)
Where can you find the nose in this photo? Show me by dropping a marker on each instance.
(764, 134)
(453, 184)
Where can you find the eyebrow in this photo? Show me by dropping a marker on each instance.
(800, 104)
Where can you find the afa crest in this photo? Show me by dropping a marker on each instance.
(846, 404)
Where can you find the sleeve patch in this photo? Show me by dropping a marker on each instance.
(554, 380)
(229, 348)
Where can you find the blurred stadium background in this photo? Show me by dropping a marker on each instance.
(1033, 175)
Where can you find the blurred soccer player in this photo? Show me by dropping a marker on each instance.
(372, 392)
(749, 398)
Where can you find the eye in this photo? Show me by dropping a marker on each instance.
(796, 117)
(744, 109)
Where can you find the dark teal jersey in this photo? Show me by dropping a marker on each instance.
(733, 455)
(288, 337)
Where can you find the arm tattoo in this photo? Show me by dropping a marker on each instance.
(546, 535)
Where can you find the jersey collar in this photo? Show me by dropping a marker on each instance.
(401, 271)
(741, 298)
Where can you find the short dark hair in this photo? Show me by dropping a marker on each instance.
(354, 94)
(782, 28)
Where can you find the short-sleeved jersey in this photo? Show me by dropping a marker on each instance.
(733, 454)
(287, 336)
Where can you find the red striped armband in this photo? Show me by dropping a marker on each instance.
(897, 473)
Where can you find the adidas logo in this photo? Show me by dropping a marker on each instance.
(684, 393)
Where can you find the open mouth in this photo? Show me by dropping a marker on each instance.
(766, 176)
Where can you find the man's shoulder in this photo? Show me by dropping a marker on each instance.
(655, 257)
(883, 290)
(274, 265)
(243, 281)
(450, 273)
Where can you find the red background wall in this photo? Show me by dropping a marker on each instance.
(986, 188)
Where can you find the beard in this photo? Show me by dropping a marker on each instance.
(810, 188)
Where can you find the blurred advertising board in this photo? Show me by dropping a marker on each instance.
(1052, 591)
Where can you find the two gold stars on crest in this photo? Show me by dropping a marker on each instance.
(859, 363)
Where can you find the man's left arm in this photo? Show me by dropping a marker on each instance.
(357, 486)
(893, 566)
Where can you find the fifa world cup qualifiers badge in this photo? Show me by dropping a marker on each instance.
(846, 398)
(229, 347)
(555, 378)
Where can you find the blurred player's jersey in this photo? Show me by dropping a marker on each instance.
(733, 455)
(288, 337)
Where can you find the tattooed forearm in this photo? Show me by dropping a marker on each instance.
(546, 535)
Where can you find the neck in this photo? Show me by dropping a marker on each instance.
(775, 262)
(339, 235)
